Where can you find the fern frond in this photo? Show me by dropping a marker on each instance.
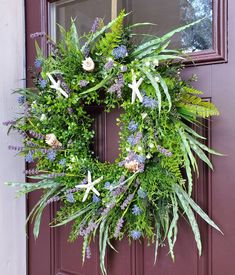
(192, 90)
(196, 106)
(113, 38)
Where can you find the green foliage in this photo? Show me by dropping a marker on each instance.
(113, 38)
(143, 192)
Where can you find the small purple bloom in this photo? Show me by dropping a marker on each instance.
(51, 155)
(149, 102)
(118, 227)
(9, 122)
(164, 151)
(70, 110)
(136, 210)
(127, 201)
(29, 157)
(38, 63)
(83, 83)
(21, 99)
(109, 65)
(141, 193)
(132, 127)
(107, 185)
(95, 199)
(96, 24)
(70, 198)
(135, 234)
(88, 252)
(37, 34)
(42, 83)
(131, 140)
(62, 162)
(123, 69)
(120, 52)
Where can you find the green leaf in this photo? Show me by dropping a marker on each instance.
(103, 237)
(173, 230)
(74, 216)
(195, 207)
(156, 87)
(165, 89)
(98, 86)
(192, 220)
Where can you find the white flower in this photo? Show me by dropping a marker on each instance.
(151, 145)
(139, 148)
(43, 117)
(156, 62)
(148, 156)
(88, 64)
(157, 79)
(144, 115)
(147, 63)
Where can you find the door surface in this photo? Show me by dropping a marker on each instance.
(215, 192)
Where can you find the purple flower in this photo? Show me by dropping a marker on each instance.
(109, 65)
(53, 199)
(51, 155)
(120, 52)
(164, 151)
(36, 135)
(123, 69)
(83, 83)
(149, 102)
(118, 191)
(95, 199)
(88, 252)
(117, 87)
(136, 210)
(118, 227)
(91, 226)
(127, 201)
(108, 208)
(62, 162)
(42, 83)
(135, 234)
(38, 63)
(15, 148)
(9, 122)
(37, 34)
(70, 110)
(31, 172)
(70, 198)
(29, 157)
(107, 185)
(96, 24)
(141, 193)
(21, 100)
(131, 140)
(132, 127)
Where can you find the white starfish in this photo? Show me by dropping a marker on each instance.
(89, 186)
(135, 88)
(56, 85)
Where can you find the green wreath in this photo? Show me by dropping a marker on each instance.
(143, 191)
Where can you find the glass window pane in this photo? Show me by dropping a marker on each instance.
(85, 11)
(169, 14)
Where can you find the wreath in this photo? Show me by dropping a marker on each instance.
(142, 193)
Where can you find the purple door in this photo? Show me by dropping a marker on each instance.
(215, 192)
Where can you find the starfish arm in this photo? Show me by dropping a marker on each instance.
(63, 92)
(51, 78)
(137, 92)
(96, 191)
(81, 186)
(139, 82)
(97, 180)
(86, 194)
(133, 97)
(89, 176)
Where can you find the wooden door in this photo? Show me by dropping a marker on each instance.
(215, 192)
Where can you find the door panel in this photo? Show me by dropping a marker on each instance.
(215, 192)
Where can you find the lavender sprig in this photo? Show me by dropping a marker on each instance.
(118, 227)
(127, 201)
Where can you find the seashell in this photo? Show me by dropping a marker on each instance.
(88, 64)
(132, 166)
(52, 141)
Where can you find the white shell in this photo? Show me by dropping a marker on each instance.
(88, 64)
(52, 141)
